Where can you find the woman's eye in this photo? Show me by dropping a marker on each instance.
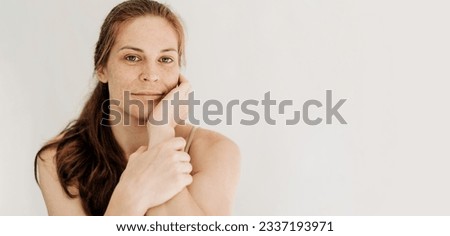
(132, 58)
(166, 60)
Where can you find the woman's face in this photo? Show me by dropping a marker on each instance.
(142, 66)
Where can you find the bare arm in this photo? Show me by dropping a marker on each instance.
(211, 193)
(214, 184)
(56, 199)
(160, 164)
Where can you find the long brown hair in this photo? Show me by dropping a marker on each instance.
(88, 156)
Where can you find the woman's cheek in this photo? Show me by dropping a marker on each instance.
(118, 89)
(173, 76)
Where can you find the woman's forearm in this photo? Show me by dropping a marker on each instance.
(123, 204)
(181, 204)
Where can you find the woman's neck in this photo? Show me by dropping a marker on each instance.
(130, 136)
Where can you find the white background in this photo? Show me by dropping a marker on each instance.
(389, 59)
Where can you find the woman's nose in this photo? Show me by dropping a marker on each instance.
(149, 73)
(146, 77)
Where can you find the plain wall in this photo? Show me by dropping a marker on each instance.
(389, 59)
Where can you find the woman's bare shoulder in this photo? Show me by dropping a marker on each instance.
(211, 149)
(55, 197)
(46, 157)
(215, 160)
(205, 138)
(46, 169)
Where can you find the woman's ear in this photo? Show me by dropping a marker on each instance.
(100, 75)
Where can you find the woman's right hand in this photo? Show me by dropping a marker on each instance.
(157, 172)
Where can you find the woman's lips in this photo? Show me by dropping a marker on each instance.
(147, 95)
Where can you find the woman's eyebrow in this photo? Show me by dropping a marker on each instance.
(132, 48)
(140, 50)
(169, 49)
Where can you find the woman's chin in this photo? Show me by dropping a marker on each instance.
(136, 116)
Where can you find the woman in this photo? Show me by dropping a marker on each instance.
(137, 167)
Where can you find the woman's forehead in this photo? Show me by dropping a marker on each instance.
(147, 33)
